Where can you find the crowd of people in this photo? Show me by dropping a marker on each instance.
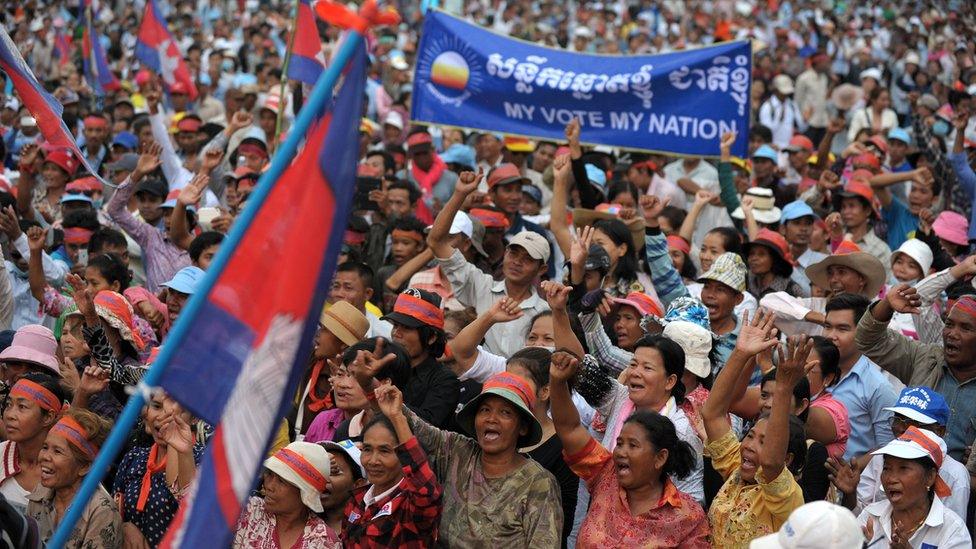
(526, 343)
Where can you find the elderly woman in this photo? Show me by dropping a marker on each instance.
(294, 479)
(913, 514)
(34, 405)
(150, 480)
(65, 458)
(492, 492)
(401, 507)
(634, 502)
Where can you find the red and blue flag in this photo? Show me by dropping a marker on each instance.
(62, 47)
(252, 336)
(156, 48)
(45, 109)
(94, 61)
(307, 60)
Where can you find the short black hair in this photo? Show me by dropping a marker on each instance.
(112, 269)
(408, 223)
(364, 271)
(203, 241)
(731, 239)
(620, 187)
(829, 358)
(673, 357)
(398, 371)
(849, 302)
(412, 190)
(382, 421)
(389, 164)
(84, 219)
(7, 199)
(801, 391)
(674, 215)
(762, 133)
(537, 361)
(106, 236)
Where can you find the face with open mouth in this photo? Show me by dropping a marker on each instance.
(750, 451)
(719, 299)
(341, 482)
(959, 338)
(60, 468)
(498, 425)
(638, 461)
(906, 482)
(647, 381)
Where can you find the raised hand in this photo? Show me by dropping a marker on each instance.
(756, 335)
(368, 364)
(704, 197)
(573, 132)
(563, 367)
(652, 206)
(36, 239)
(605, 308)
(176, 431)
(747, 206)
(222, 222)
(836, 125)
(556, 294)
(83, 298)
(925, 220)
(904, 299)
(580, 248)
(845, 475)
(505, 310)
(467, 182)
(152, 315)
(922, 175)
(30, 156)
(94, 380)
(9, 223)
(69, 374)
(961, 120)
(193, 191)
(148, 161)
(828, 181)
(793, 363)
(211, 159)
(562, 168)
(728, 139)
(153, 96)
(835, 225)
(390, 400)
(240, 119)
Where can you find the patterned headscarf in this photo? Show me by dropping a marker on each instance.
(113, 308)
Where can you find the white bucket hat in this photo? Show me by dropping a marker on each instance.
(305, 466)
(695, 341)
(917, 251)
(815, 525)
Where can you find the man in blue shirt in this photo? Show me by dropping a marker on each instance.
(863, 387)
(902, 218)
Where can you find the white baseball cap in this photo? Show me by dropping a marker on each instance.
(394, 119)
(462, 225)
(815, 525)
(535, 244)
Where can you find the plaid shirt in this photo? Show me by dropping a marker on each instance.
(407, 518)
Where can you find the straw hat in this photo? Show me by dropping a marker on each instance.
(345, 322)
(849, 255)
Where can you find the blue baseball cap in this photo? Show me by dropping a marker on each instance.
(126, 139)
(596, 176)
(767, 152)
(533, 192)
(459, 154)
(796, 210)
(922, 404)
(186, 280)
(75, 197)
(900, 135)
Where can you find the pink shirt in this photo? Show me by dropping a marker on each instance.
(838, 413)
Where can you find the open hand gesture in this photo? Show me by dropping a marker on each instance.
(36, 239)
(30, 155)
(793, 363)
(505, 310)
(563, 367)
(176, 431)
(193, 191)
(9, 223)
(757, 335)
(845, 475)
(580, 248)
(83, 298)
(556, 294)
(93, 380)
(148, 161)
(904, 299)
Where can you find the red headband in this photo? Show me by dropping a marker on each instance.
(77, 235)
(252, 148)
(675, 242)
(966, 304)
(95, 122)
(514, 383)
(913, 434)
(491, 219)
(412, 235)
(76, 435)
(35, 392)
(354, 238)
(421, 310)
(300, 465)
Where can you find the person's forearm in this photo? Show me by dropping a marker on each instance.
(35, 275)
(890, 178)
(959, 142)
(687, 229)
(413, 265)
(187, 470)
(465, 343)
(565, 416)
(773, 454)
(402, 427)
(558, 223)
(179, 232)
(25, 192)
(437, 239)
(687, 185)
(882, 311)
(752, 228)
(720, 398)
(823, 150)
(563, 334)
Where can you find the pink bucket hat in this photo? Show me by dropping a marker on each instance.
(952, 227)
(34, 344)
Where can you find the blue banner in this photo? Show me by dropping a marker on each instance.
(680, 102)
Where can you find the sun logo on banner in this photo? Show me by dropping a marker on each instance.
(451, 70)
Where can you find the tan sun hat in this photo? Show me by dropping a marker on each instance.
(345, 322)
(305, 466)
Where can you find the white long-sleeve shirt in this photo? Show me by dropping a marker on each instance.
(783, 118)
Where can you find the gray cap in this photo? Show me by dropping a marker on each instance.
(126, 163)
(478, 237)
(929, 102)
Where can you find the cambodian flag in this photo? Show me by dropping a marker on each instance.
(251, 338)
(94, 62)
(307, 59)
(62, 47)
(45, 109)
(155, 47)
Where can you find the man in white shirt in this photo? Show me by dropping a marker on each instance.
(693, 175)
(780, 114)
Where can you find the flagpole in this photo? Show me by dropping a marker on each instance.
(284, 77)
(282, 158)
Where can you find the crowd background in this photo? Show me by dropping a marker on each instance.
(526, 343)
